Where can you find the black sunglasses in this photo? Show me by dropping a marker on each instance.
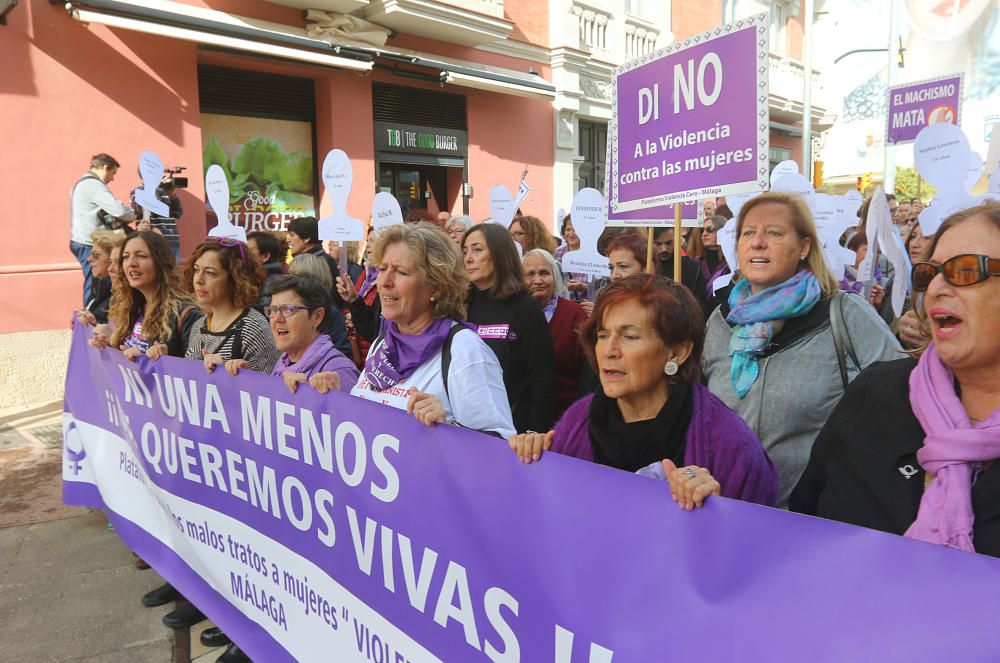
(959, 271)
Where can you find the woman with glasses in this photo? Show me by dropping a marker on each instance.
(770, 350)
(225, 279)
(912, 448)
(96, 310)
(456, 226)
(298, 306)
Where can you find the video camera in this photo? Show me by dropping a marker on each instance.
(179, 182)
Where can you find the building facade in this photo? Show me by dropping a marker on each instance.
(434, 101)
(409, 90)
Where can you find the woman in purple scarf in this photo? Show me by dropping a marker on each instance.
(298, 305)
(426, 360)
(913, 446)
(650, 414)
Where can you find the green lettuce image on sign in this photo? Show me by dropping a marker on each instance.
(268, 186)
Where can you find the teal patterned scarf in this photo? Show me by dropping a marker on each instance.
(758, 319)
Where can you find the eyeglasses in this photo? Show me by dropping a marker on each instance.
(959, 271)
(285, 310)
(230, 241)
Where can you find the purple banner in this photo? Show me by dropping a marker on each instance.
(916, 105)
(327, 528)
(691, 121)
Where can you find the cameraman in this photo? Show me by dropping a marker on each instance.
(166, 193)
(92, 205)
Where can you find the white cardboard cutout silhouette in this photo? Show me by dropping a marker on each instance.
(942, 154)
(786, 167)
(736, 201)
(589, 212)
(217, 193)
(726, 238)
(337, 178)
(974, 172)
(798, 185)
(502, 207)
(385, 211)
(151, 171)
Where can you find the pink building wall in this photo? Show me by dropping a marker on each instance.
(71, 90)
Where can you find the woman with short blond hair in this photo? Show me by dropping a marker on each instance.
(426, 359)
(770, 349)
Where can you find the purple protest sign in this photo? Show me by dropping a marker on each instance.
(692, 212)
(327, 528)
(917, 105)
(691, 120)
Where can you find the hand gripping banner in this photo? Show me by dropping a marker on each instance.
(326, 528)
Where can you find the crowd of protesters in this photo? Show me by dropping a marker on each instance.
(785, 388)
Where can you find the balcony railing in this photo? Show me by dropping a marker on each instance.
(640, 38)
(786, 81)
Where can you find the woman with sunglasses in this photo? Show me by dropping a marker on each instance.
(225, 279)
(712, 262)
(912, 448)
(770, 348)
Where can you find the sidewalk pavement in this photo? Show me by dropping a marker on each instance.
(68, 588)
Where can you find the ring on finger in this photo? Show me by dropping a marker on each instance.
(689, 472)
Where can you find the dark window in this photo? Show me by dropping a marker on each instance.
(594, 149)
(255, 94)
(411, 105)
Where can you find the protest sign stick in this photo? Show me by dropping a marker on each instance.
(649, 249)
(677, 242)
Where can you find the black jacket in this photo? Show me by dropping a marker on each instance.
(100, 300)
(691, 276)
(864, 471)
(525, 354)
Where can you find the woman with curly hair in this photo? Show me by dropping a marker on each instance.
(150, 313)
(530, 233)
(225, 279)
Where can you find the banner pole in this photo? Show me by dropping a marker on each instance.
(677, 242)
(649, 249)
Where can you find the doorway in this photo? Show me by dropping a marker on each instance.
(416, 186)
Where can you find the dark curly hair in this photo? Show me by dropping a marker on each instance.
(245, 274)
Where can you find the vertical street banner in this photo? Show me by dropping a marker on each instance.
(690, 121)
(914, 106)
(328, 528)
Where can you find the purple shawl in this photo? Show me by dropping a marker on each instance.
(320, 357)
(954, 451)
(717, 439)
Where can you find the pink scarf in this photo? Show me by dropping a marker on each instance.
(954, 451)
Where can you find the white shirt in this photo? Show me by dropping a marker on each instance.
(478, 398)
(89, 195)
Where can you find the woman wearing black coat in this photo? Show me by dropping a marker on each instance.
(511, 323)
